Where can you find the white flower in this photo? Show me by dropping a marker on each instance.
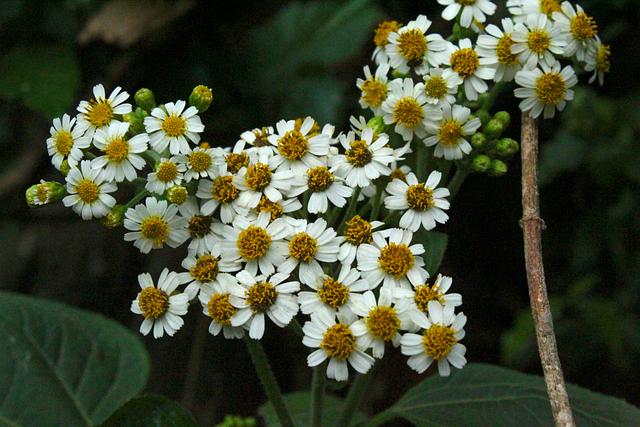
(471, 10)
(277, 209)
(520, 9)
(395, 262)
(471, 68)
(216, 303)
(160, 307)
(256, 138)
(261, 178)
(199, 226)
(537, 41)
(598, 60)
(171, 125)
(496, 45)
(336, 342)
(155, 224)
(545, 90)
(167, 173)
(441, 86)
(373, 88)
(449, 134)
(440, 340)
(332, 294)
(99, 112)
(579, 29)
(256, 296)
(357, 232)
(406, 107)
(381, 39)
(66, 142)
(121, 156)
(203, 269)
(310, 244)
(409, 46)
(298, 149)
(220, 192)
(423, 203)
(323, 186)
(364, 160)
(200, 162)
(88, 193)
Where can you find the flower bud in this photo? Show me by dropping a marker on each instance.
(144, 99)
(136, 120)
(478, 140)
(201, 97)
(398, 75)
(481, 163)
(45, 192)
(459, 32)
(177, 194)
(64, 167)
(377, 124)
(484, 116)
(493, 129)
(503, 117)
(115, 217)
(506, 147)
(497, 168)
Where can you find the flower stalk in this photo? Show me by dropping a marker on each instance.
(353, 399)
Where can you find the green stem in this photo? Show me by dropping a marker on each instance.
(375, 203)
(353, 399)
(352, 208)
(493, 95)
(392, 215)
(296, 327)
(421, 157)
(268, 380)
(457, 180)
(141, 195)
(317, 394)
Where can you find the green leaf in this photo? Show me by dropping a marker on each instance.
(151, 410)
(319, 97)
(62, 366)
(435, 245)
(565, 153)
(489, 395)
(299, 404)
(43, 78)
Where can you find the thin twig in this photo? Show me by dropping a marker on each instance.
(532, 226)
(353, 399)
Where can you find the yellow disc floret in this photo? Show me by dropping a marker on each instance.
(408, 112)
(319, 178)
(359, 154)
(261, 296)
(333, 293)
(258, 176)
(253, 242)
(63, 142)
(503, 51)
(223, 189)
(438, 341)
(99, 113)
(167, 171)
(338, 341)
(450, 132)
(87, 190)
(551, 88)
(436, 87)
(236, 161)
(156, 229)
(381, 33)
(266, 205)
(426, 293)
(538, 41)
(153, 302)
(583, 27)
(199, 161)
(293, 145)
(199, 226)
(383, 322)
(358, 231)
(174, 126)
(549, 6)
(220, 309)
(465, 62)
(412, 44)
(117, 150)
(205, 269)
(396, 259)
(303, 247)
(374, 92)
(419, 197)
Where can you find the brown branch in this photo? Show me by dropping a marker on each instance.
(532, 225)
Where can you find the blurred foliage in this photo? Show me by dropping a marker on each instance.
(150, 410)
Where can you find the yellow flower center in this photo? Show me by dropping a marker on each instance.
(398, 174)
(338, 341)
(465, 62)
(177, 194)
(583, 27)
(450, 133)
(538, 41)
(383, 322)
(253, 242)
(220, 309)
(156, 229)
(303, 247)
(603, 59)
(408, 112)
(117, 150)
(419, 197)
(381, 33)
(315, 127)
(258, 176)
(167, 171)
(199, 161)
(261, 296)
(436, 87)
(199, 226)
(503, 51)
(374, 92)
(333, 293)
(319, 178)
(412, 44)
(466, 2)
(153, 302)
(99, 113)
(266, 205)
(205, 269)
(223, 189)
(87, 190)
(550, 88)
(396, 260)
(549, 6)
(236, 161)
(358, 231)
(358, 153)
(293, 145)
(64, 142)
(174, 126)
(438, 341)
(262, 137)
(426, 293)
(42, 193)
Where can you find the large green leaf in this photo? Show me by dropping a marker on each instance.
(485, 395)
(150, 411)
(435, 245)
(62, 366)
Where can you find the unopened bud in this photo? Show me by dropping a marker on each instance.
(493, 129)
(136, 120)
(64, 167)
(506, 147)
(115, 217)
(377, 124)
(398, 75)
(177, 194)
(201, 98)
(497, 168)
(481, 163)
(45, 192)
(478, 140)
(503, 117)
(460, 32)
(144, 99)
(484, 116)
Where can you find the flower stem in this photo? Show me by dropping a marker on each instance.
(375, 203)
(353, 203)
(421, 161)
(532, 226)
(141, 195)
(461, 174)
(268, 380)
(353, 399)
(317, 394)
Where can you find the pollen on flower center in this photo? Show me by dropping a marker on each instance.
(199, 161)
(358, 231)
(319, 178)
(199, 226)
(412, 44)
(223, 189)
(438, 341)
(550, 88)
(303, 247)
(450, 133)
(236, 161)
(408, 112)
(220, 309)
(383, 322)
(87, 190)
(253, 242)
(436, 87)
(538, 41)
(381, 33)
(262, 138)
(333, 293)
(64, 142)
(155, 228)
(426, 293)
(465, 62)
(153, 302)
(99, 113)
(396, 259)
(258, 176)
(398, 174)
(503, 50)
(549, 6)
(419, 197)
(374, 92)
(205, 269)
(117, 150)
(261, 296)
(359, 154)
(338, 341)
(42, 193)
(167, 171)
(174, 126)
(177, 194)
(293, 145)
(583, 27)
(603, 59)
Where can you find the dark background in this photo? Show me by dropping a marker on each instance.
(273, 59)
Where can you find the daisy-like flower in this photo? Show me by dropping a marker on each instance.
(520, 9)
(220, 192)
(449, 134)
(278, 209)
(496, 45)
(381, 39)
(406, 107)
(161, 307)
(171, 126)
(259, 243)
(155, 224)
(255, 296)
(373, 88)
(298, 149)
(88, 192)
(422, 203)
(357, 232)
(100, 111)
(441, 86)
(310, 244)
(537, 41)
(545, 90)
(66, 142)
(335, 341)
(440, 340)
(256, 138)
(261, 178)
(395, 262)
(199, 226)
(364, 160)
(471, 10)
(216, 304)
(472, 69)
(167, 173)
(410, 46)
(579, 29)
(598, 60)
(324, 187)
(331, 295)
(201, 162)
(121, 156)
(237, 160)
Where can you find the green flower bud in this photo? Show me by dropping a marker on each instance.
(201, 97)
(506, 147)
(45, 192)
(377, 124)
(478, 140)
(136, 120)
(497, 168)
(398, 75)
(177, 194)
(114, 218)
(503, 117)
(481, 163)
(144, 99)
(459, 32)
(493, 129)
(484, 116)
(64, 167)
